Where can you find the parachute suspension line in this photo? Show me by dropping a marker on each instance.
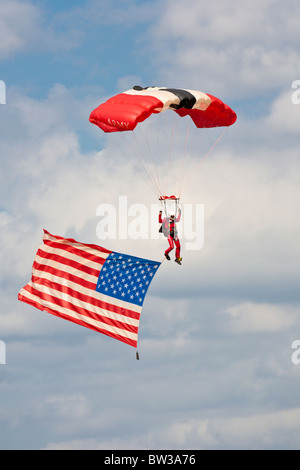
(164, 206)
(141, 158)
(148, 157)
(156, 146)
(144, 163)
(212, 147)
(185, 160)
(128, 150)
(208, 153)
(177, 206)
(133, 151)
(169, 172)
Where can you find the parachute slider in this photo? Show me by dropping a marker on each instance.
(164, 198)
(170, 205)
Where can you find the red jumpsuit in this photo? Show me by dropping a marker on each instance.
(170, 230)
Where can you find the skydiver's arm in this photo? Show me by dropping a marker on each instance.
(179, 215)
(159, 217)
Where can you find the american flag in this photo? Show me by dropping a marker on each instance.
(97, 288)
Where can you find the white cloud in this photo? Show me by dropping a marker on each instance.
(268, 430)
(234, 49)
(19, 22)
(258, 431)
(251, 243)
(251, 210)
(249, 317)
(284, 117)
(25, 27)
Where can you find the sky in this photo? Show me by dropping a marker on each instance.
(218, 335)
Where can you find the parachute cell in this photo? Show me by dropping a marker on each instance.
(125, 111)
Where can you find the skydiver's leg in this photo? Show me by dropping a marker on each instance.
(177, 243)
(171, 243)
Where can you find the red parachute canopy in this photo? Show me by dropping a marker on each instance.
(125, 111)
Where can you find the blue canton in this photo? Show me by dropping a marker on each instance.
(126, 277)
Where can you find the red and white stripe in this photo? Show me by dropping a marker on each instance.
(166, 99)
(124, 111)
(63, 283)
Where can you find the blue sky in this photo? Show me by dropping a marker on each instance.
(215, 368)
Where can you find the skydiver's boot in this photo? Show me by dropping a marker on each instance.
(167, 256)
(178, 260)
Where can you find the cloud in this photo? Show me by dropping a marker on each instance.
(258, 431)
(249, 206)
(207, 42)
(225, 319)
(284, 117)
(19, 22)
(258, 318)
(26, 27)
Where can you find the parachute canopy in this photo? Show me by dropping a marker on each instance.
(125, 111)
(163, 147)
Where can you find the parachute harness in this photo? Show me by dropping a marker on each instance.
(164, 200)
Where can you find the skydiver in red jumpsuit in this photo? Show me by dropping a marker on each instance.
(169, 229)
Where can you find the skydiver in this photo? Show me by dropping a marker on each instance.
(169, 229)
